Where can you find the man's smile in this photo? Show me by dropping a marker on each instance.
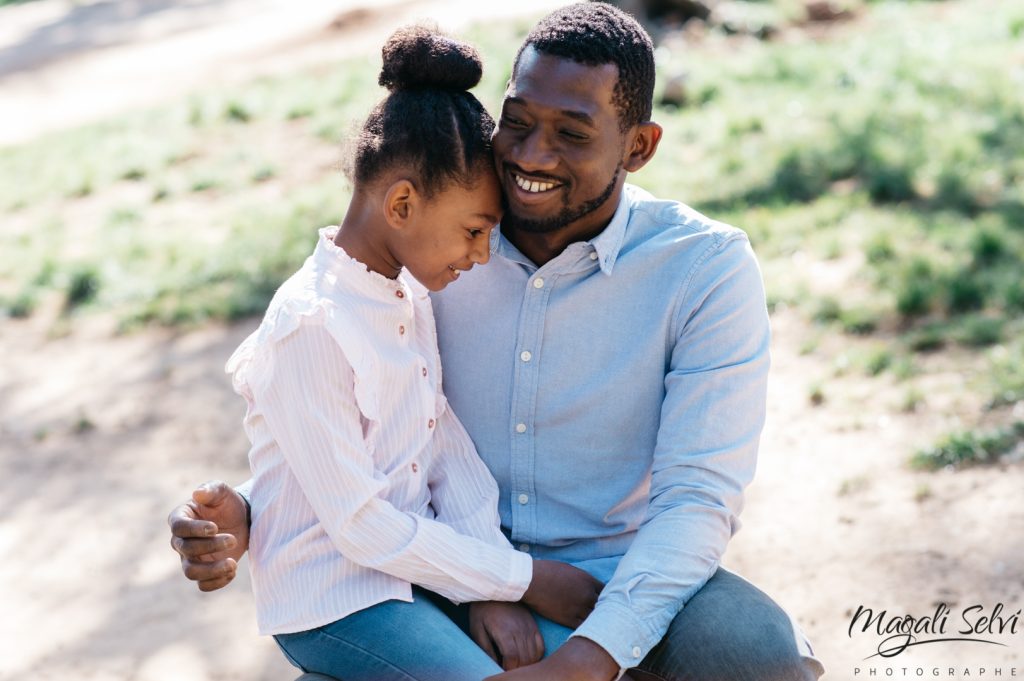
(528, 188)
(533, 186)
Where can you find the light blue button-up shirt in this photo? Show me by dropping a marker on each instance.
(617, 394)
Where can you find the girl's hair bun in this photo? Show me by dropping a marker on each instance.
(420, 57)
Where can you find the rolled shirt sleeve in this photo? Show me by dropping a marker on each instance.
(717, 378)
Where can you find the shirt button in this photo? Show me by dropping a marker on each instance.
(636, 652)
(593, 255)
(401, 330)
(520, 427)
(415, 468)
(525, 356)
(524, 499)
(430, 423)
(400, 294)
(424, 371)
(538, 282)
(524, 548)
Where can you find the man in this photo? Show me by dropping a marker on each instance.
(610, 365)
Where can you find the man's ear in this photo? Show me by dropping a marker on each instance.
(644, 142)
(399, 203)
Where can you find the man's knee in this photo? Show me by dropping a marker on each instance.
(732, 630)
(729, 659)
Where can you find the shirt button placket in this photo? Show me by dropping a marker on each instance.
(525, 388)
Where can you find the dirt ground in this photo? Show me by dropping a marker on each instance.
(100, 435)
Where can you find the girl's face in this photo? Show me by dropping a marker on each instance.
(451, 231)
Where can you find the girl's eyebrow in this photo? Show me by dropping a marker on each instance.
(487, 216)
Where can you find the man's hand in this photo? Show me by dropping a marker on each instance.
(507, 632)
(561, 592)
(579, 659)
(211, 533)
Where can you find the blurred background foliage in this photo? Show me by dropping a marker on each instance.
(874, 151)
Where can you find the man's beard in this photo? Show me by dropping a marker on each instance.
(568, 214)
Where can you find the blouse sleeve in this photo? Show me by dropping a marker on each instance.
(462, 491)
(307, 400)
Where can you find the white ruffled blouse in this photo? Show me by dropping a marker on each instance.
(364, 482)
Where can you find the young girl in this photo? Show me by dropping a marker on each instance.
(364, 481)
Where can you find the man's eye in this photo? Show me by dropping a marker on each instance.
(575, 136)
(514, 122)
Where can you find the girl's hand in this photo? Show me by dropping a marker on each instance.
(561, 592)
(507, 632)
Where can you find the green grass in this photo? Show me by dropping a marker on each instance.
(1006, 372)
(968, 448)
(928, 165)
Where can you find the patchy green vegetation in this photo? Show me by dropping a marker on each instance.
(973, 447)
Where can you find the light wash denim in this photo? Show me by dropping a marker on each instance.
(729, 631)
(390, 641)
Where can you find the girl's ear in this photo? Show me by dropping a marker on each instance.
(399, 202)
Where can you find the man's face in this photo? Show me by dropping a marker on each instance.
(558, 146)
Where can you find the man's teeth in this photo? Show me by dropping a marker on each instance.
(533, 187)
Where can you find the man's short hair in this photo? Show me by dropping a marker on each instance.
(596, 33)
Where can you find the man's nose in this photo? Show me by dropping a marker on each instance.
(535, 152)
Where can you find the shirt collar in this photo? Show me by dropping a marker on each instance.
(607, 244)
(338, 270)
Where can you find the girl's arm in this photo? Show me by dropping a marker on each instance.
(463, 492)
(306, 397)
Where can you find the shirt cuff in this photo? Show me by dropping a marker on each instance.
(245, 490)
(621, 633)
(519, 579)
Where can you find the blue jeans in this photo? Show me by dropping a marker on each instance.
(728, 631)
(393, 640)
